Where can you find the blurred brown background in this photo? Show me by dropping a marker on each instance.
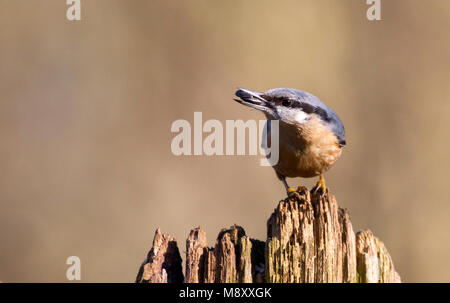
(86, 109)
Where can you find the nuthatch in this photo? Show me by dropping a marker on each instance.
(311, 135)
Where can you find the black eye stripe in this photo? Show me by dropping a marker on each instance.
(322, 113)
(310, 109)
(307, 108)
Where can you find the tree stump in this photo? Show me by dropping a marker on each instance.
(309, 240)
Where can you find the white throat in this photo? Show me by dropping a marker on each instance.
(301, 117)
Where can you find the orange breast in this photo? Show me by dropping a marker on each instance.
(306, 150)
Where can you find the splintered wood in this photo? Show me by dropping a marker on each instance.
(374, 262)
(233, 259)
(309, 240)
(163, 262)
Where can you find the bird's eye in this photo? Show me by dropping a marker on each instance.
(286, 102)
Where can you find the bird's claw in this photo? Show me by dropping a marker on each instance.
(291, 192)
(321, 186)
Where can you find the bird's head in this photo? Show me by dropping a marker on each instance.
(293, 107)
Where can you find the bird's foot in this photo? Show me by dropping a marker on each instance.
(290, 191)
(321, 186)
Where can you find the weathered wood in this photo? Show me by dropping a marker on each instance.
(290, 243)
(374, 262)
(225, 259)
(235, 257)
(328, 240)
(349, 274)
(209, 275)
(163, 262)
(309, 239)
(196, 250)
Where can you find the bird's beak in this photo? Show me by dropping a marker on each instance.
(252, 99)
